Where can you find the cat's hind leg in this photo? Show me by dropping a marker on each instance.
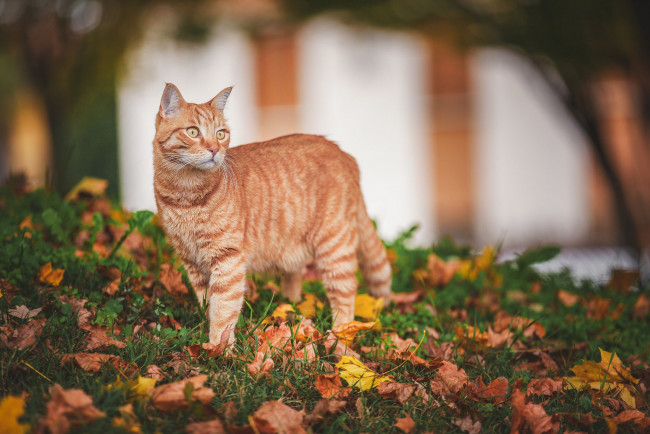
(291, 285)
(336, 257)
(199, 281)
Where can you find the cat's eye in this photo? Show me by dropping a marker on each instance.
(221, 134)
(192, 132)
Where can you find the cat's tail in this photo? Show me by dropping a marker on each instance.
(372, 256)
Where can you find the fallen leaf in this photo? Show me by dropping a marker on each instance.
(308, 306)
(441, 272)
(68, 409)
(641, 307)
(277, 417)
(347, 332)
(405, 423)
(172, 396)
(209, 427)
(330, 386)
(448, 380)
(530, 414)
(23, 312)
(468, 425)
(324, 407)
(154, 371)
(89, 185)
(623, 280)
(127, 420)
(401, 298)
(23, 336)
(83, 315)
(356, 374)
(172, 280)
(94, 362)
(335, 346)
(260, 364)
(634, 417)
(276, 338)
(11, 409)
(279, 313)
(544, 386)
(598, 308)
(400, 392)
(567, 298)
(99, 338)
(367, 307)
(496, 391)
(51, 276)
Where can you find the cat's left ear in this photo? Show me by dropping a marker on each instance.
(219, 101)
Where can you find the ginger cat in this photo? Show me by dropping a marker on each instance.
(270, 206)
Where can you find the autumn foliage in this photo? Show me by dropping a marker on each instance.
(100, 331)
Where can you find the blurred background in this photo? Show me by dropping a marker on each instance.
(511, 122)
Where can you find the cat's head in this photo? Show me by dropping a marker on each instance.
(191, 135)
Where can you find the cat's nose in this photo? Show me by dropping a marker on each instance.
(214, 150)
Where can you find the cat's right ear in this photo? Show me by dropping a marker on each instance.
(171, 102)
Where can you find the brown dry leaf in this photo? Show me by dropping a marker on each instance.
(641, 307)
(209, 427)
(567, 298)
(496, 391)
(154, 371)
(51, 276)
(260, 365)
(88, 185)
(468, 425)
(172, 279)
(276, 417)
(443, 351)
(210, 350)
(69, 408)
(23, 336)
(128, 421)
(405, 423)
(598, 308)
(330, 386)
(112, 287)
(83, 315)
(471, 339)
(23, 312)
(324, 407)
(400, 392)
(540, 367)
(99, 338)
(340, 348)
(94, 362)
(532, 415)
(623, 280)
(347, 332)
(634, 417)
(7, 290)
(531, 329)
(448, 380)
(544, 386)
(277, 338)
(496, 340)
(172, 396)
(401, 298)
(440, 272)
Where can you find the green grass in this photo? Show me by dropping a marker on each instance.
(86, 238)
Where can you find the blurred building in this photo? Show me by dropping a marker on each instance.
(470, 145)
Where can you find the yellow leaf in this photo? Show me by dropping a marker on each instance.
(88, 184)
(139, 389)
(367, 307)
(347, 332)
(51, 276)
(280, 312)
(357, 374)
(308, 306)
(11, 409)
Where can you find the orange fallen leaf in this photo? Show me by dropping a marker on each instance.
(496, 391)
(23, 312)
(347, 332)
(544, 386)
(449, 379)
(11, 409)
(323, 407)
(260, 364)
(178, 395)
(154, 371)
(172, 280)
(406, 424)
(99, 338)
(69, 408)
(440, 272)
(51, 276)
(530, 414)
(208, 427)
(641, 307)
(400, 392)
(94, 362)
(567, 298)
(330, 386)
(633, 417)
(276, 417)
(23, 336)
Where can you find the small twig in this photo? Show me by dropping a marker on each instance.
(36, 370)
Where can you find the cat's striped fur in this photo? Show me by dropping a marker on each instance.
(270, 206)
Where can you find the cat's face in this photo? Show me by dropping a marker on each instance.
(191, 135)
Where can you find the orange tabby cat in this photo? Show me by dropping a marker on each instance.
(270, 206)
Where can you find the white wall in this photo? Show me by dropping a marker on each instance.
(365, 89)
(200, 72)
(531, 162)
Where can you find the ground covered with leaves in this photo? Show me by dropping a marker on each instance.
(100, 332)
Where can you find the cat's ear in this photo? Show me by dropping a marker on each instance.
(219, 101)
(171, 102)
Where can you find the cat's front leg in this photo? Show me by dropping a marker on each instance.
(226, 292)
